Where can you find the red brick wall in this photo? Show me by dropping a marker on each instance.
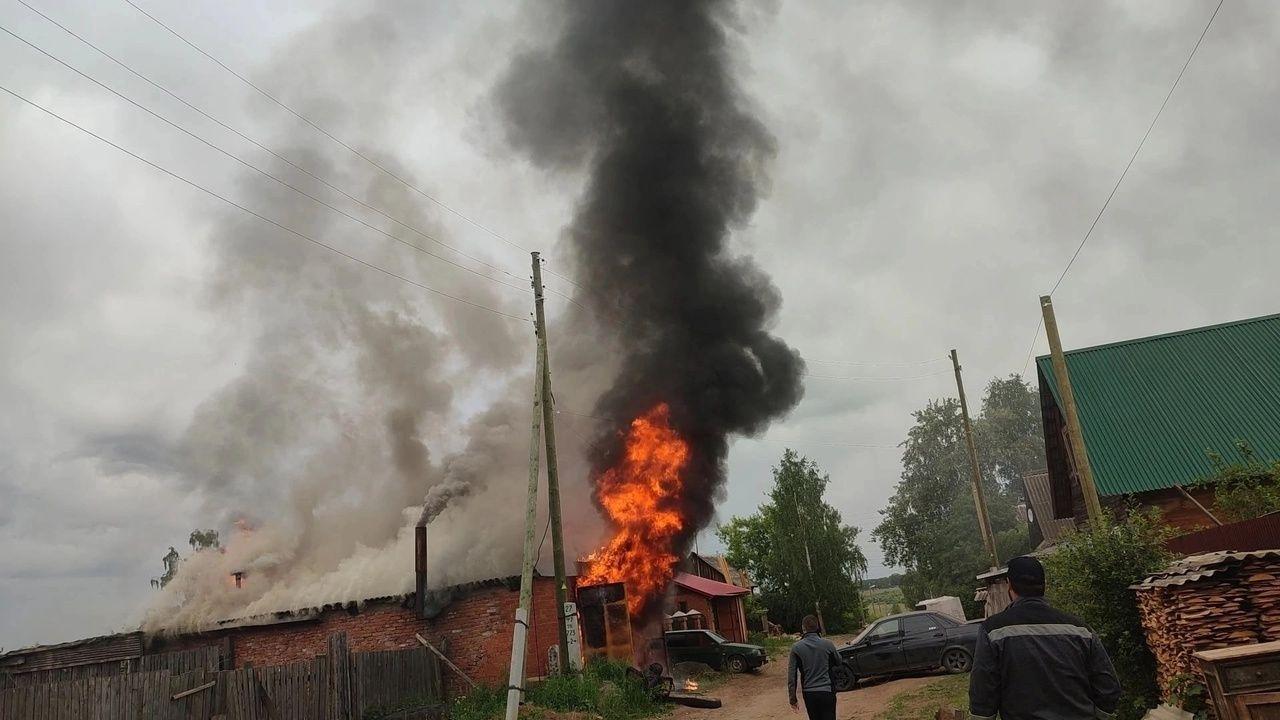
(474, 632)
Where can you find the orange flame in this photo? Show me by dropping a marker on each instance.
(639, 496)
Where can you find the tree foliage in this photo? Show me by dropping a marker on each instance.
(798, 549)
(1089, 575)
(1245, 489)
(930, 526)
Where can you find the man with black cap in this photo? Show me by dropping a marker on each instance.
(1036, 663)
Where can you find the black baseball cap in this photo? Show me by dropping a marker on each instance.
(1026, 575)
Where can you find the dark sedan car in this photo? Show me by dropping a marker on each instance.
(907, 643)
(711, 649)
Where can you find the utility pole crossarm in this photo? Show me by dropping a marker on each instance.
(979, 496)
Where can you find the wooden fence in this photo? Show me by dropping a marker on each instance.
(338, 686)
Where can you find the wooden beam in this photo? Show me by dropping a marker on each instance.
(1196, 502)
(194, 690)
(446, 660)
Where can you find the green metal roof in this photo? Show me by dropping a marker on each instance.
(1151, 408)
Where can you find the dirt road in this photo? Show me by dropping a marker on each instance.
(763, 696)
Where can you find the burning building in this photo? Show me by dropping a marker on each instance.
(639, 97)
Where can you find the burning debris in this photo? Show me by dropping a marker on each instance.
(640, 95)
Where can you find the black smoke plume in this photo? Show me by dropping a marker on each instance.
(640, 95)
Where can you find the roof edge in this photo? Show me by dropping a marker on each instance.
(1162, 336)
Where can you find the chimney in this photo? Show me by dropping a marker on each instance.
(420, 567)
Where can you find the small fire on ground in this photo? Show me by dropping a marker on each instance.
(641, 496)
(691, 685)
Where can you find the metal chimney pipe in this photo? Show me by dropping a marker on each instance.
(420, 568)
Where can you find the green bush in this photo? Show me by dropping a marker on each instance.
(1245, 489)
(1089, 576)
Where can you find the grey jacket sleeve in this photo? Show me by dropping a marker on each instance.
(984, 680)
(792, 668)
(1104, 684)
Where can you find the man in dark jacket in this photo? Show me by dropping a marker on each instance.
(1036, 663)
(812, 659)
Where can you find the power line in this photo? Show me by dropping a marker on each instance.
(873, 363)
(260, 145)
(1125, 172)
(1138, 149)
(863, 446)
(254, 168)
(261, 217)
(875, 378)
(466, 218)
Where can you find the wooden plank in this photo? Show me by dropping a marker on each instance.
(446, 660)
(199, 688)
(339, 677)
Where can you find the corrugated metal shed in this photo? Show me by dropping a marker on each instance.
(1259, 533)
(1040, 496)
(1152, 408)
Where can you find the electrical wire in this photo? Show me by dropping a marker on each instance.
(260, 145)
(1138, 149)
(874, 378)
(261, 217)
(254, 168)
(457, 213)
(1123, 173)
(874, 363)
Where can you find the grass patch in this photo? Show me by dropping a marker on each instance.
(602, 688)
(482, 703)
(924, 703)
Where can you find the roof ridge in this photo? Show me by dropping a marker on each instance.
(1165, 336)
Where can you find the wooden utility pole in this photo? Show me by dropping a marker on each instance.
(553, 473)
(520, 633)
(1074, 433)
(979, 497)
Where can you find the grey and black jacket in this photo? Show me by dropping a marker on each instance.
(1036, 663)
(812, 657)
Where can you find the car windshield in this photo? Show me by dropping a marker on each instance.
(717, 638)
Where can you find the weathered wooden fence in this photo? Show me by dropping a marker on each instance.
(338, 686)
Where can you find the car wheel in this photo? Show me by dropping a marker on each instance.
(737, 664)
(956, 661)
(843, 679)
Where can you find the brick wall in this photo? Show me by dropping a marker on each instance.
(474, 632)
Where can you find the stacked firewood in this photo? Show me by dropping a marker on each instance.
(1223, 601)
(1262, 578)
(1164, 638)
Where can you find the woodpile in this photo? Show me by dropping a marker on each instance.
(1206, 602)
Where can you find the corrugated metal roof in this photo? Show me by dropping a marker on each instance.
(707, 586)
(1040, 495)
(102, 649)
(1198, 567)
(1152, 408)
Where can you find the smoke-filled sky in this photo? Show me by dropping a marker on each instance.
(934, 166)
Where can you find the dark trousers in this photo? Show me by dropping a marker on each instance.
(820, 705)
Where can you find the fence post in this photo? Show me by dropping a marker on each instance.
(339, 679)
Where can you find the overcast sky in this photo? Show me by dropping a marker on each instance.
(937, 165)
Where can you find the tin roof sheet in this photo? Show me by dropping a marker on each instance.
(1152, 408)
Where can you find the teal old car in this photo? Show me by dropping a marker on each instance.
(708, 648)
